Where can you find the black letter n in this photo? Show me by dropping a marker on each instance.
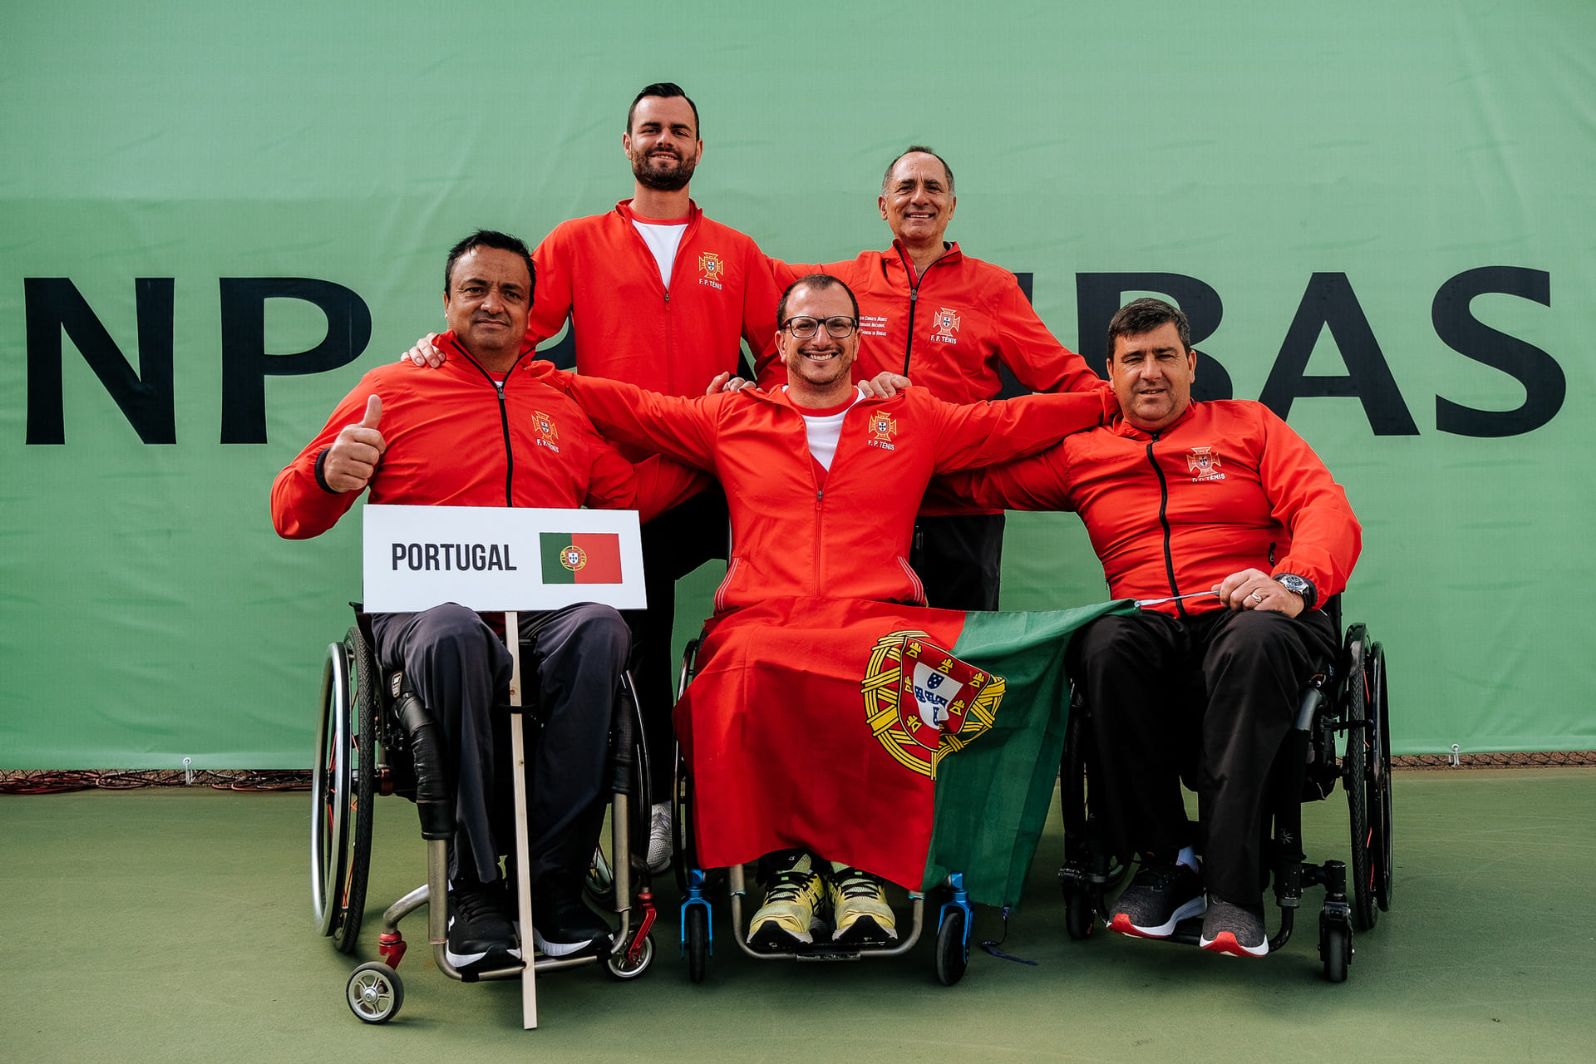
(54, 305)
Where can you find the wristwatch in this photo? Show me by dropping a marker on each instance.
(1299, 585)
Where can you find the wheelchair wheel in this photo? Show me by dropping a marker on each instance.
(620, 966)
(1335, 950)
(1380, 777)
(342, 790)
(697, 942)
(1357, 778)
(952, 955)
(1080, 915)
(684, 855)
(329, 788)
(375, 992)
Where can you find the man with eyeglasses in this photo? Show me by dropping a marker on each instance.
(823, 480)
(946, 321)
(660, 296)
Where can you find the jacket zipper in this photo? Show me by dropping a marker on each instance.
(914, 298)
(504, 423)
(1163, 519)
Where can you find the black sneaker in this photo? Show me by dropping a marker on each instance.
(1160, 897)
(562, 927)
(481, 936)
(1234, 930)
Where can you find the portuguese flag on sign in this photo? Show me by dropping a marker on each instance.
(580, 557)
(907, 742)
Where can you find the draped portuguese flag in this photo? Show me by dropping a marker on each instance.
(904, 741)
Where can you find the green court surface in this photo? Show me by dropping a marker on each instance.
(166, 925)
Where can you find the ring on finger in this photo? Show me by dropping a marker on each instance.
(1256, 596)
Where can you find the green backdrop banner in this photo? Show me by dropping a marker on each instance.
(1380, 217)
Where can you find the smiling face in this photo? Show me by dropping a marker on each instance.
(663, 143)
(1152, 373)
(489, 297)
(916, 200)
(819, 366)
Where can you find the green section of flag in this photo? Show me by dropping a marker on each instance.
(992, 797)
(551, 546)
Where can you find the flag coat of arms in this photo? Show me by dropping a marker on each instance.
(905, 741)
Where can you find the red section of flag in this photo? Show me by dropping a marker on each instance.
(776, 727)
(603, 551)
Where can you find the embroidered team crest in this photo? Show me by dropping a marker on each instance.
(548, 432)
(946, 323)
(711, 269)
(573, 558)
(922, 703)
(882, 429)
(1203, 464)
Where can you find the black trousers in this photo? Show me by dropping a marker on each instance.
(460, 669)
(1211, 696)
(674, 544)
(960, 560)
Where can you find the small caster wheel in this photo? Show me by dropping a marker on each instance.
(620, 966)
(1335, 949)
(375, 992)
(952, 955)
(697, 943)
(1080, 915)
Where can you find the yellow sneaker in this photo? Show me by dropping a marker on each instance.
(859, 907)
(788, 914)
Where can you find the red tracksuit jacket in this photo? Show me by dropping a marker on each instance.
(455, 440)
(598, 272)
(1229, 486)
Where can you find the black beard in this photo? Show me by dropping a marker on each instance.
(671, 181)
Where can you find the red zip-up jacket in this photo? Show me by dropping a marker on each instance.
(1228, 486)
(947, 329)
(846, 534)
(598, 272)
(458, 437)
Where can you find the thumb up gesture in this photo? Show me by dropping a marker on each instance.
(354, 455)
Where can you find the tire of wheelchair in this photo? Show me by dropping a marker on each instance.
(1380, 793)
(342, 790)
(1361, 777)
(952, 955)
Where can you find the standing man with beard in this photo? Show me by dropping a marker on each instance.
(658, 296)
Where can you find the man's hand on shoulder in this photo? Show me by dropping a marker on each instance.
(1252, 589)
(424, 353)
(725, 382)
(353, 456)
(884, 385)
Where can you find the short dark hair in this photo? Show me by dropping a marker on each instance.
(819, 282)
(490, 238)
(669, 90)
(1143, 316)
(911, 150)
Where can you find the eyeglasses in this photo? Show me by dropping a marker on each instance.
(838, 328)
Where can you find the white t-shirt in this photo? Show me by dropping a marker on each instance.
(662, 240)
(824, 430)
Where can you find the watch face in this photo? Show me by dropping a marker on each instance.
(1295, 583)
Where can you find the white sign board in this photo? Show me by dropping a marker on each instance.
(495, 558)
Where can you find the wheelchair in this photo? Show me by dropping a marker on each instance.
(374, 738)
(955, 912)
(1341, 734)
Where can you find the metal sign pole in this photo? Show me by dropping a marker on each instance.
(523, 858)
